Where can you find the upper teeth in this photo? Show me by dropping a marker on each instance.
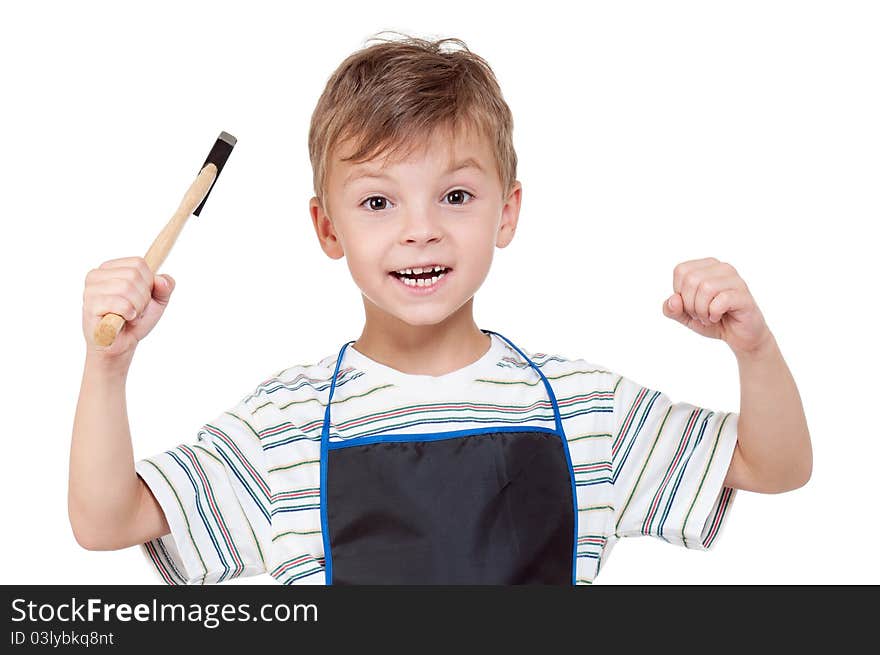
(417, 271)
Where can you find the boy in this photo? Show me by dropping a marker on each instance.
(428, 450)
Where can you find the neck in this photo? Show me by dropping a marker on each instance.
(434, 349)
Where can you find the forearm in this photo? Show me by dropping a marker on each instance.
(772, 430)
(103, 488)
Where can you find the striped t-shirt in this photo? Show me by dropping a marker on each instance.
(243, 497)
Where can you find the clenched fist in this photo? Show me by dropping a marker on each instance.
(711, 298)
(129, 288)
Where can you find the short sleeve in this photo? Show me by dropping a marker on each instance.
(215, 495)
(669, 461)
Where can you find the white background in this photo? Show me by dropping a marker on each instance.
(647, 134)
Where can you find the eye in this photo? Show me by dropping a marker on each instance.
(375, 206)
(458, 193)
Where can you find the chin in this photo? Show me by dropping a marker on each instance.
(423, 318)
(415, 316)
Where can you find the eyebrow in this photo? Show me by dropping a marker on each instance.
(362, 171)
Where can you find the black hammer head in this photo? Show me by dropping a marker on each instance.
(218, 156)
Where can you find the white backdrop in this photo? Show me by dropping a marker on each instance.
(647, 134)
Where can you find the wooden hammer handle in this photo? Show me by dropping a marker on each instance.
(111, 323)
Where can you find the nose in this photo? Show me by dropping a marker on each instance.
(421, 225)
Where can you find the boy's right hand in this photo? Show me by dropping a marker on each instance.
(129, 288)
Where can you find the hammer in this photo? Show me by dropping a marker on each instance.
(192, 203)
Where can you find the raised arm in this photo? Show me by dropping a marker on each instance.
(773, 452)
(109, 506)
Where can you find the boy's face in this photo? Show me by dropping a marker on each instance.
(418, 211)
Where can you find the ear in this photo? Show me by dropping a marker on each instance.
(325, 230)
(509, 215)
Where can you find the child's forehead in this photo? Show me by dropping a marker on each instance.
(451, 147)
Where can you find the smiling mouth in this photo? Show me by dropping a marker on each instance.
(427, 274)
(421, 277)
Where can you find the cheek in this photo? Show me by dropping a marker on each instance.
(364, 259)
(478, 240)
(358, 264)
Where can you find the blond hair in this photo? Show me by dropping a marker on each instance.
(395, 93)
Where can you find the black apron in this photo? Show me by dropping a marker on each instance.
(494, 505)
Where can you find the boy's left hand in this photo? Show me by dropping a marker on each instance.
(713, 300)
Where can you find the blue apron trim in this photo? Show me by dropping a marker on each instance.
(561, 432)
(325, 432)
(326, 446)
